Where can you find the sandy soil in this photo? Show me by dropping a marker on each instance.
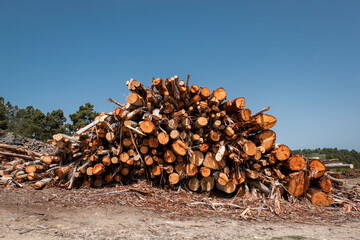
(88, 214)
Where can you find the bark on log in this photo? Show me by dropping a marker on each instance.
(338, 166)
(40, 184)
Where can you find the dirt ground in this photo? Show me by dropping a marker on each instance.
(126, 213)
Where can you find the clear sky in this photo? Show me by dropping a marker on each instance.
(301, 57)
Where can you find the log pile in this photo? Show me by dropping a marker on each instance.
(176, 135)
(19, 164)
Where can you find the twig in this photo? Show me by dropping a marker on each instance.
(262, 111)
(115, 192)
(113, 101)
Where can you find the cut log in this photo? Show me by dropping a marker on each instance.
(144, 149)
(219, 94)
(220, 178)
(238, 177)
(215, 136)
(35, 176)
(179, 147)
(318, 197)
(89, 171)
(235, 105)
(169, 156)
(230, 187)
(125, 171)
(56, 159)
(325, 184)
(338, 166)
(210, 162)
(249, 148)
(205, 172)
(180, 168)
(298, 184)
(62, 172)
(157, 170)
(201, 122)
(47, 160)
(124, 157)
(244, 115)
(265, 121)
(34, 168)
(207, 184)
(174, 178)
(159, 85)
(296, 163)
(115, 160)
(317, 168)
(135, 99)
(205, 93)
(265, 139)
(163, 138)
(106, 160)
(40, 184)
(98, 182)
(283, 153)
(191, 170)
(149, 160)
(194, 184)
(147, 127)
(194, 89)
(221, 151)
(196, 158)
(98, 169)
(174, 134)
(229, 131)
(153, 142)
(110, 136)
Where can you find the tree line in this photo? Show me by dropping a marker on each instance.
(344, 155)
(32, 122)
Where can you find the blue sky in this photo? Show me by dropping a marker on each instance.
(301, 57)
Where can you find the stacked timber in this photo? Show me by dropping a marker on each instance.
(19, 164)
(176, 135)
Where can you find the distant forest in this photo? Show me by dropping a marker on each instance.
(344, 155)
(32, 122)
